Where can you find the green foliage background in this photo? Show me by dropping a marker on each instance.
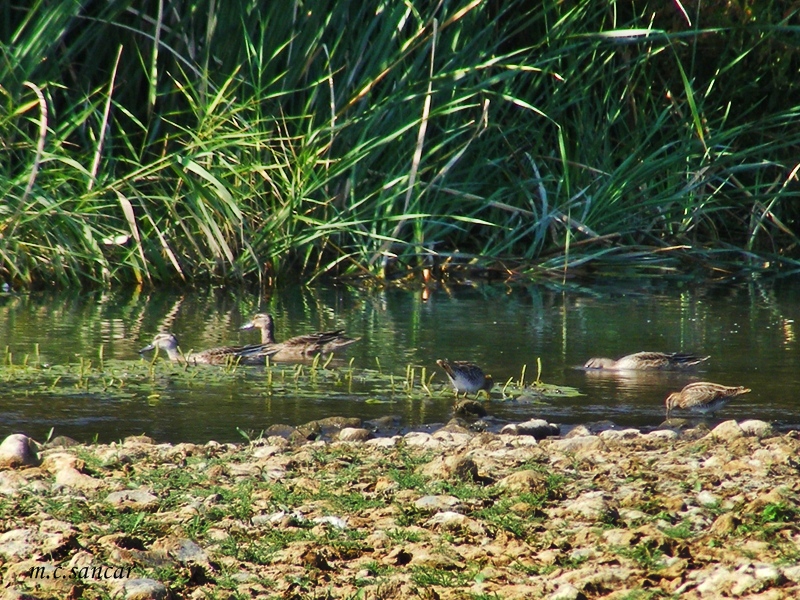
(165, 141)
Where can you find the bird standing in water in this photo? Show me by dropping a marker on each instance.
(466, 377)
(703, 397)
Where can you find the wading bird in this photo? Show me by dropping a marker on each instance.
(703, 397)
(466, 377)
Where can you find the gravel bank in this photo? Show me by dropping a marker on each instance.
(452, 514)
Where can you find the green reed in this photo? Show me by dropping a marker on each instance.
(272, 140)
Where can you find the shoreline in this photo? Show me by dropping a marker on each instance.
(450, 514)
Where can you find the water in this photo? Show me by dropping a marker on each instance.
(748, 329)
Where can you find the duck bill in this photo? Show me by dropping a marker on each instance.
(248, 325)
(147, 348)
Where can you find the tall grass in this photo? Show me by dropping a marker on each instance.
(160, 142)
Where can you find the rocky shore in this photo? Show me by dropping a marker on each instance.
(450, 514)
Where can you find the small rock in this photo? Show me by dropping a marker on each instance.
(706, 498)
(136, 440)
(537, 428)
(792, 573)
(72, 478)
(133, 499)
(663, 435)
(723, 525)
(469, 408)
(385, 425)
(61, 441)
(757, 428)
(421, 439)
(524, 482)
(354, 434)
(17, 543)
(18, 450)
(619, 434)
(581, 446)
(280, 430)
(183, 550)
(716, 583)
(335, 522)
(389, 442)
(453, 520)
(446, 468)
(140, 589)
(727, 431)
(590, 505)
(436, 503)
(578, 431)
(567, 591)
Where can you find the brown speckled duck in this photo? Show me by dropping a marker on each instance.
(703, 397)
(255, 354)
(301, 346)
(647, 361)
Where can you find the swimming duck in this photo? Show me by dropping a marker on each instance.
(703, 396)
(254, 354)
(466, 377)
(647, 361)
(301, 346)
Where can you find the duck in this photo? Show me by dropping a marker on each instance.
(301, 346)
(466, 377)
(647, 361)
(703, 397)
(255, 354)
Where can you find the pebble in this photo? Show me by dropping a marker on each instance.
(18, 450)
(140, 589)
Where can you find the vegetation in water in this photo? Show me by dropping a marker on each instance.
(243, 141)
(323, 377)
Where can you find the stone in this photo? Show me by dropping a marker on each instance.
(590, 505)
(725, 524)
(72, 478)
(354, 434)
(662, 435)
(436, 503)
(727, 431)
(524, 482)
(18, 450)
(536, 428)
(618, 435)
(421, 439)
(756, 428)
(183, 550)
(567, 591)
(445, 468)
(140, 589)
(451, 520)
(133, 499)
(18, 543)
(580, 446)
(469, 408)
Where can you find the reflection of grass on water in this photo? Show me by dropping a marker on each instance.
(127, 380)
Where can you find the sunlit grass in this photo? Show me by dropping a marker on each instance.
(357, 139)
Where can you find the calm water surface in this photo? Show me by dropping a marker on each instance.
(748, 329)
